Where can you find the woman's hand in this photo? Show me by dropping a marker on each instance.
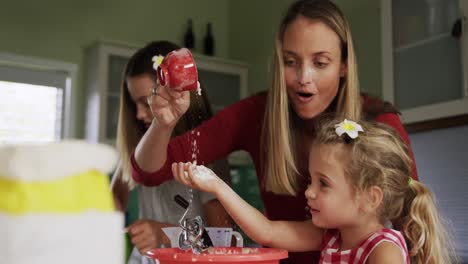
(198, 177)
(147, 234)
(168, 105)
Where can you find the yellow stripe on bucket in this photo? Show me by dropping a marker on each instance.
(85, 191)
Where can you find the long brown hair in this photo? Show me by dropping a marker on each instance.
(280, 155)
(379, 157)
(130, 129)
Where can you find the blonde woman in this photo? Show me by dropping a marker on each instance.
(314, 72)
(360, 179)
(156, 204)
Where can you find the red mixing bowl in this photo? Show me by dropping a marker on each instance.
(219, 255)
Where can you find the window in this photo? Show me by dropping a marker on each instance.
(35, 99)
(29, 113)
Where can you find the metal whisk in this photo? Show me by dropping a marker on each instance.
(193, 234)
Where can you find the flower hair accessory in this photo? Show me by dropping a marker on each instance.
(157, 61)
(350, 128)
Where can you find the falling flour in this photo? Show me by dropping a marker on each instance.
(198, 88)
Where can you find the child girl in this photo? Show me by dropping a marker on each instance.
(360, 179)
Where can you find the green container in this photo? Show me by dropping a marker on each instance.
(245, 184)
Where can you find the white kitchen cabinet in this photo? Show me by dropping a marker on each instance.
(425, 67)
(225, 82)
(105, 65)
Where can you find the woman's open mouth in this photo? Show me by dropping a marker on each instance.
(305, 97)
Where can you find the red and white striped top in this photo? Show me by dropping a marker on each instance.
(330, 253)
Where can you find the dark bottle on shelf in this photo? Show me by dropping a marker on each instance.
(189, 38)
(209, 41)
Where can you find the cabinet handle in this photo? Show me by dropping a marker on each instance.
(457, 27)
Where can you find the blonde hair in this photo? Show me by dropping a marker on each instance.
(379, 157)
(129, 128)
(280, 156)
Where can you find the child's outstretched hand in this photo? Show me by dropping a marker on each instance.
(197, 177)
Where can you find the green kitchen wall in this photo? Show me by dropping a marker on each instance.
(364, 19)
(253, 26)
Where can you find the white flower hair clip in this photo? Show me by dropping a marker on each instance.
(157, 60)
(350, 128)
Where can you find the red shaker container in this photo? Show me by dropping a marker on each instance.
(178, 71)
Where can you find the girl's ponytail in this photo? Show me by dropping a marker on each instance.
(428, 241)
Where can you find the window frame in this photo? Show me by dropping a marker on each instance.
(69, 91)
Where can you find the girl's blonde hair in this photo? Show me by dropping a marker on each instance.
(129, 128)
(379, 157)
(281, 169)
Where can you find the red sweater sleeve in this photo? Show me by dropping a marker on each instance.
(394, 121)
(234, 128)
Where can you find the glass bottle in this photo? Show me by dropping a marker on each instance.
(189, 37)
(209, 41)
